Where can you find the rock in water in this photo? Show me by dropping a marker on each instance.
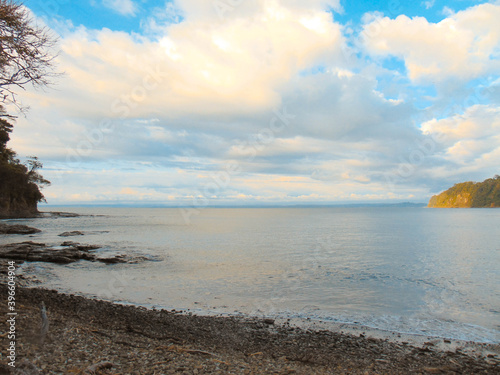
(68, 252)
(71, 234)
(17, 229)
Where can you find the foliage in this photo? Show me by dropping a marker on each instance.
(19, 183)
(470, 194)
(25, 59)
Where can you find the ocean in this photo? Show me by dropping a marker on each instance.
(432, 272)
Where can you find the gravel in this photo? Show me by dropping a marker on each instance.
(90, 336)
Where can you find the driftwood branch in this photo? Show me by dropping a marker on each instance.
(45, 323)
(98, 366)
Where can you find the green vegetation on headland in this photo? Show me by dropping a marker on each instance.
(19, 184)
(24, 60)
(470, 194)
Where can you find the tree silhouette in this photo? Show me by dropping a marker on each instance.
(26, 58)
(26, 52)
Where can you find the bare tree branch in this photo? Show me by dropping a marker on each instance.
(26, 52)
(26, 59)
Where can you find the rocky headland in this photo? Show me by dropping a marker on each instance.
(469, 195)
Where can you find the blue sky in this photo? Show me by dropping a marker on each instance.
(100, 14)
(199, 103)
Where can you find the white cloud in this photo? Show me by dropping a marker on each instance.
(158, 22)
(123, 7)
(215, 67)
(465, 45)
(477, 122)
(428, 4)
(228, 10)
(447, 11)
(470, 139)
(182, 98)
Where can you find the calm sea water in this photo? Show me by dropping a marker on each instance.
(412, 270)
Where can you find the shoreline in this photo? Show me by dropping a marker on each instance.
(136, 340)
(441, 342)
(418, 339)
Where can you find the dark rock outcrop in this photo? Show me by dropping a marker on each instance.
(68, 252)
(54, 214)
(17, 229)
(71, 234)
(17, 210)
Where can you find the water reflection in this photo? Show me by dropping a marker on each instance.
(380, 265)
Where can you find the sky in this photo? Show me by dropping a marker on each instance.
(239, 102)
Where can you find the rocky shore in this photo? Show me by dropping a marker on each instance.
(90, 336)
(65, 253)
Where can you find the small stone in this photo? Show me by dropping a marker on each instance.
(71, 234)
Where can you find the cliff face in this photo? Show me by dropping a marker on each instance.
(17, 209)
(470, 194)
(18, 196)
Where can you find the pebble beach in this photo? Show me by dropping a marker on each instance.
(91, 336)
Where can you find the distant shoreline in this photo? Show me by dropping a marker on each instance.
(333, 205)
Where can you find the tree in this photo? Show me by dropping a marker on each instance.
(6, 154)
(33, 165)
(26, 55)
(26, 58)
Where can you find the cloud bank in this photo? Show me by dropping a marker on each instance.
(159, 116)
